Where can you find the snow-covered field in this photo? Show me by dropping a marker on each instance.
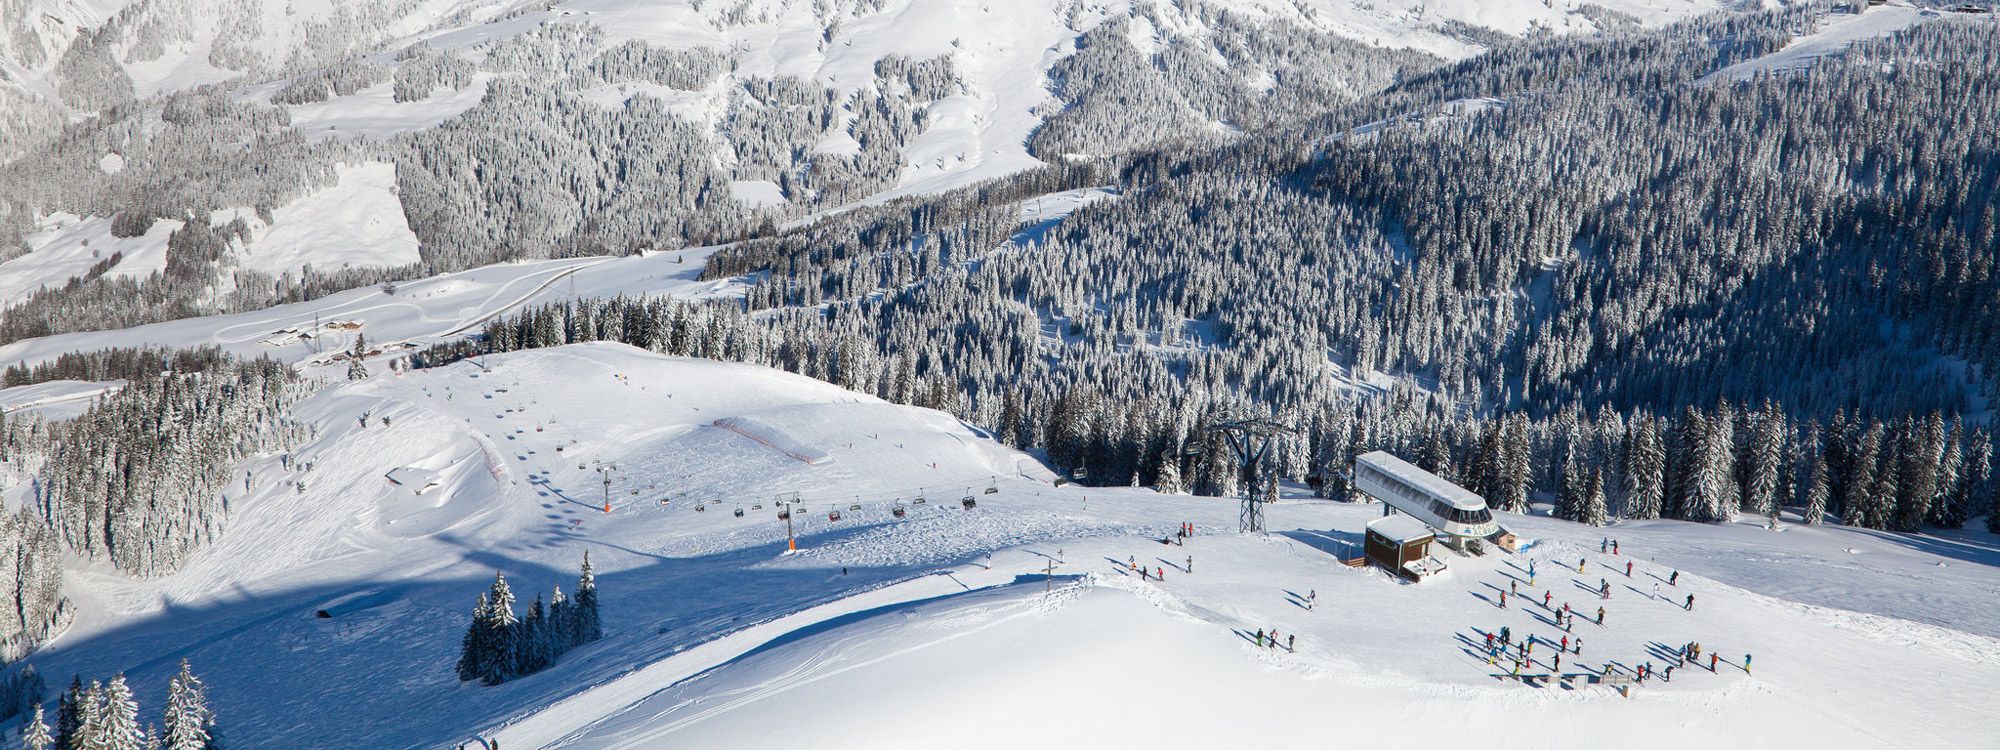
(355, 223)
(935, 628)
(65, 246)
(1831, 38)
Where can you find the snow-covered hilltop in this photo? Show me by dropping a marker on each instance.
(935, 625)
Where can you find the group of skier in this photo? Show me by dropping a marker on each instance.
(1501, 646)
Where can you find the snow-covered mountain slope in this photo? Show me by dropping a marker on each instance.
(716, 637)
(1832, 37)
(65, 246)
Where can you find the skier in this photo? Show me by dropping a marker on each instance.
(1600, 615)
(1579, 565)
(1546, 597)
(1628, 568)
(1656, 589)
(1505, 635)
(1513, 587)
(1690, 604)
(1160, 574)
(1190, 567)
(1614, 546)
(1565, 643)
(1489, 639)
(1312, 599)
(1669, 674)
(1274, 638)
(1711, 661)
(1675, 579)
(1603, 589)
(1503, 600)
(1531, 570)
(1603, 543)
(1556, 665)
(1291, 643)
(1260, 637)
(1746, 664)
(1577, 647)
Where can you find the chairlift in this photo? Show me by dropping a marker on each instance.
(665, 501)
(785, 515)
(1079, 473)
(992, 489)
(739, 512)
(833, 515)
(757, 506)
(968, 502)
(897, 512)
(918, 501)
(856, 506)
(700, 508)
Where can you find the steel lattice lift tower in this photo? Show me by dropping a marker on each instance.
(1250, 440)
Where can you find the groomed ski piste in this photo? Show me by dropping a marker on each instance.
(1018, 622)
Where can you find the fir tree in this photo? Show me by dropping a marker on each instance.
(36, 736)
(1948, 508)
(1593, 500)
(588, 625)
(122, 729)
(357, 368)
(188, 720)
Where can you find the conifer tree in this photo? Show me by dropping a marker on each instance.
(69, 714)
(36, 735)
(188, 721)
(588, 626)
(1593, 500)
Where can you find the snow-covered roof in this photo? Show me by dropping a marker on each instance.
(1424, 481)
(1400, 528)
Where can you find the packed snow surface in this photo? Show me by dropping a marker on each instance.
(1833, 37)
(934, 627)
(65, 246)
(355, 223)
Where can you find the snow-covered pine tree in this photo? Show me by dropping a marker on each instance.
(1881, 498)
(1948, 508)
(1645, 465)
(1593, 500)
(1917, 482)
(1169, 481)
(496, 660)
(532, 647)
(118, 724)
(1855, 504)
(187, 719)
(472, 648)
(36, 736)
(1763, 458)
(1818, 489)
(1515, 464)
(589, 626)
(357, 369)
(1570, 490)
(561, 618)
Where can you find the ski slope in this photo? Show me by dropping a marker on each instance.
(65, 246)
(933, 627)
(1833, 37)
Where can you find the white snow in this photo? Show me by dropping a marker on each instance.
(357, 222)
(373, 113)
(1839, 32)
(65, 246)
(716, 637)
(420, 312)
(757, 193)
(54, 399)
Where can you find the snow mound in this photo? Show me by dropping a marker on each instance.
(775, 437)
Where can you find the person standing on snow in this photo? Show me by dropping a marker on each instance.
(1656, 589)
(1614, 546)
(1190, 567)
(1675, 579)
(1603, 544)
(1600, 615)
(1547, 596)
(1291, 643)
(1513, 587)
(1690, 605)
(1260, 637)
(1746, 663)
(1503, 600)
(1711, 661)
(1628, 568)
(1579, 565)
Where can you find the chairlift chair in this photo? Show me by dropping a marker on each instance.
(700, 508)
(918, 501)
(897, 511)
(785, 515)
(739, 512)
(833, 515)
(757, 506)
(992, 489)
(968, 502)
(856, 506)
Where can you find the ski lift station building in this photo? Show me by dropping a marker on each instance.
(1401, 545)
(1454, 512)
